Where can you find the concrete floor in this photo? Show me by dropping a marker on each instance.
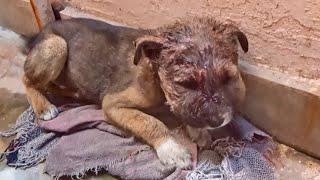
(289, 163)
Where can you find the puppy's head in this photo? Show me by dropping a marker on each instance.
(197, 67)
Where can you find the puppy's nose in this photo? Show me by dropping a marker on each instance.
(227, 117)
(220, 121)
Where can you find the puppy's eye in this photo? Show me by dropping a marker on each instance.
(186, 80)
(190, 84)
(180, 61)
(185, 73)
(226, 79)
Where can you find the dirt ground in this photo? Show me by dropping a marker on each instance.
(290, 164)
(283, 35)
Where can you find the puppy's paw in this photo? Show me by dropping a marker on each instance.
(200, 136)
(173, 154)
(50, 113)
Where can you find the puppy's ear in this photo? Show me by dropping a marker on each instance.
(149, 45)
(242, 38)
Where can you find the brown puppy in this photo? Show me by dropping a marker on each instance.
(192, 66)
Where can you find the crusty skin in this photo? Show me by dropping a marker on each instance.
(198, 71)
(129, 72)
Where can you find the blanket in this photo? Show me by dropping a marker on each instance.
(79, 140)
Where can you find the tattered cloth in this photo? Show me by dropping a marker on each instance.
(79, 141)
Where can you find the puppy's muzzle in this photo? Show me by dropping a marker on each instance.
(226, 119)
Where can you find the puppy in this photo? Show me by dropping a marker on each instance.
(190, 67)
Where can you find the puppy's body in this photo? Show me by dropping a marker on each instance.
(99, 58)
(129, 72)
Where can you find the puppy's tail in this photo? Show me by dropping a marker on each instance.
(29, 43)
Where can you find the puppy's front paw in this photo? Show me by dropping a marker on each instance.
(50, 113)
(173, 154)
(200, 136)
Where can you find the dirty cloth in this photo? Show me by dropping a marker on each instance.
(31, 144)
(100, 145)
(79, 140)
(230, 159)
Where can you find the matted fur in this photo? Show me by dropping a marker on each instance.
(198, 70)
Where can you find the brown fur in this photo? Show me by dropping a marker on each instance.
(191, 66)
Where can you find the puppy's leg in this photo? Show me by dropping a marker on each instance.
(41, 106)
(44, 64)
(122, 110)
(62, 91)
(200, 136)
